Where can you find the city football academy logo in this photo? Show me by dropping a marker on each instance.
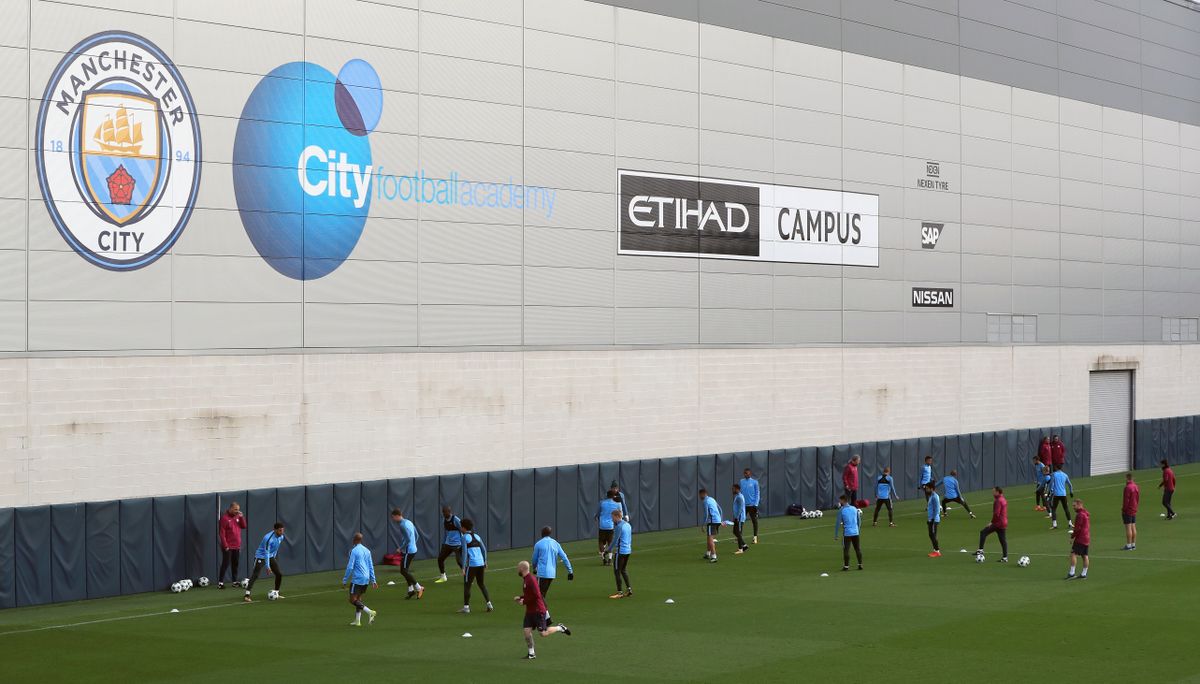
(118, 150)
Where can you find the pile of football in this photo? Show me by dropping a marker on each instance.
(186, 584)
(811, 514)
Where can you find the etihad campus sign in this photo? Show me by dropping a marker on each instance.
(668, 215)
(118, 150)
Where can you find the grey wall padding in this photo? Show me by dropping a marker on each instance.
(808, 476)
(261, 513)
(289, 510)
(374, 516)
(688, 470)
(475, 503)
(8, 573)
(427, 514)
(103, 560)
(200, 536)
(565, 515)
(136, 539)
(824, 497)
(776, 500)
(68, 552)
(647, 499)
(668, 494)
(31, 547)
(499, 486)
(168, 540)
(103, 549)
(347, 520)
(545, 508)
(524, 516)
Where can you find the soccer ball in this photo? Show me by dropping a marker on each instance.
(187, 584)
(979, 558)
(204, 581)
(820, 514)
(176, 588)
(245, 583)
(272, 595)
(1023, 561)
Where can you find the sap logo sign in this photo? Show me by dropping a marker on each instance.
(664, 214)
(930, 232)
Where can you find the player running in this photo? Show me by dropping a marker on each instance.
(361, 569)
(926, 477)
(1081, 537)
(546, 554)
(885, 491)
(604, 522)
(999, 524)
(933, 516)
(850, 480)
(474, 563)
(1060, 487)
(712, 524)
(451, 543)
(750, 489)
(621, 548)
(1168, 487)
(264, 556)
(536, 615)
(408, 548)
(739, 519)
(954, 494)
(847, 520)
(1129, 505)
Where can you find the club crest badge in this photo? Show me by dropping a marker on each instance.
(118, 151)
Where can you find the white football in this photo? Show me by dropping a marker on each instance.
(1023, 561)
(272, 595)
(245, 583)
(203, 581)
(176, 588)
(979, 558)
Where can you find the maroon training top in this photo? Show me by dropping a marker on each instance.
(230, 530)
(1083, 528)
(850, 477)
(1168, 482)
(1058, 453)
(1000, 513)
(1129, 500)
(534, 604)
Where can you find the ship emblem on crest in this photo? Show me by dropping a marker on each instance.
(118, 156)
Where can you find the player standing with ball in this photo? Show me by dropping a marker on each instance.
(999, 524)
(264, 557)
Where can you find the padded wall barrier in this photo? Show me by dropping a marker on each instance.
(74, 551)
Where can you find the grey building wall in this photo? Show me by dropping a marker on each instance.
(1085, 215)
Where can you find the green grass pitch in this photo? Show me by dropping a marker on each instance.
(766, 616)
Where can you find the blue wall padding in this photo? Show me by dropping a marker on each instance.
(136, 540)
(647, 499)
(450, 493)
(499, 486)
(104, 549)
(720, 486)
(688, 470)
(68, 552)
(545, 508)
(524, 515)
(8, 577)
(427, 514)
(374, 516)
(347, 520)
(200, 536)
(629, 472)
(668, 497)
(706, 476)
(168, 540)
(261, 513)
(290, 510)
(610, 471)
(318, 527)
(475, 503)
(759, 465)
(566, 517)
(825, 477)
(31, 547)
(807, 464)
(400, 495)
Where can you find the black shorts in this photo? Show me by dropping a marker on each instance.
(536, 621)
(713, 529)
(751, 511)
(606, 537)
(1079, 549)
(1128, 519)
(359, 589)
(406, 562)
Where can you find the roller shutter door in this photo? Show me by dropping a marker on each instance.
(1111, 398)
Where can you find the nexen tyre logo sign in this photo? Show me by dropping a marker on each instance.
(670, 215)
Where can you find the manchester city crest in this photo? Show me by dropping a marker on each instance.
(118, 151)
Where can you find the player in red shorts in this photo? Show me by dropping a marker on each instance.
(1081, 537)
(535, 609)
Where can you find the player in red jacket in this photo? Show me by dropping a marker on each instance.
(229, 531)
(850, 480)
(999, 524)
(1058, 452)
(1045, 452)
(1081, 538)
(536, 616)
(1168, 487)
(1129, 506)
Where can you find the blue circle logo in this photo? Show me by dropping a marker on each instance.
(118, 151)
(302, 169)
